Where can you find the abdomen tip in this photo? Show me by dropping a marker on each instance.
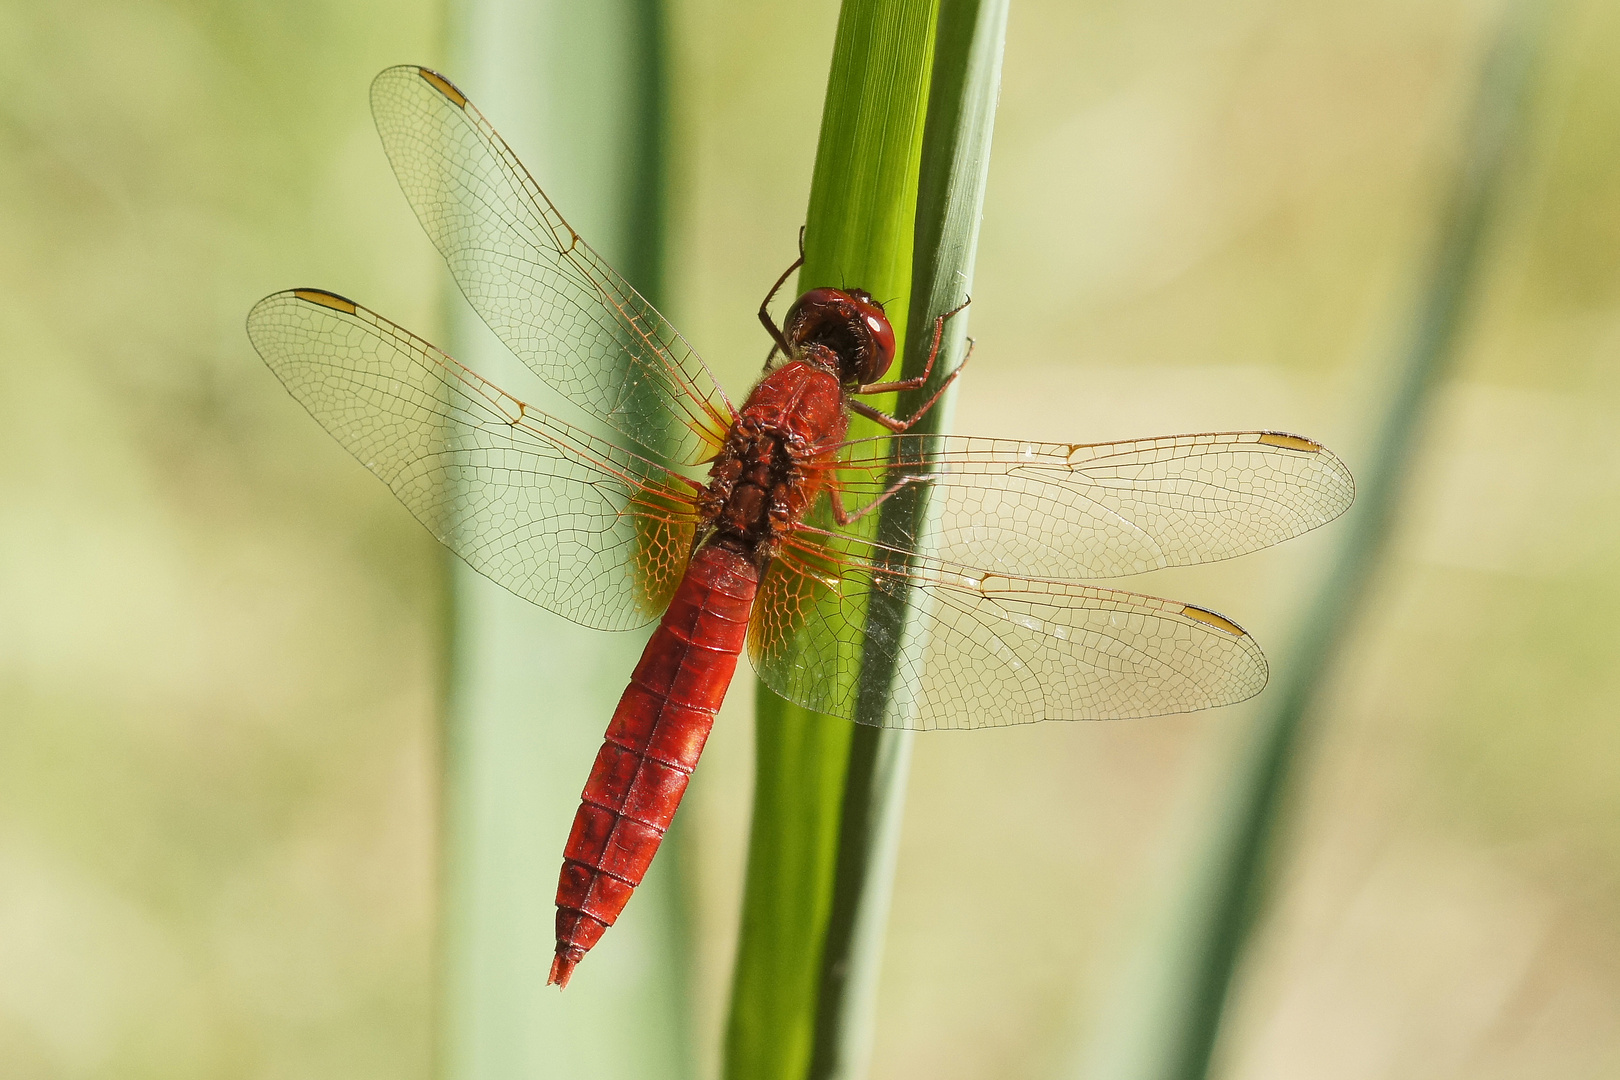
(562, 966)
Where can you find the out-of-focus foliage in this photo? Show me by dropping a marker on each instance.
(568, 86)
(1170, 1031)
(218, 635)
(218, 648)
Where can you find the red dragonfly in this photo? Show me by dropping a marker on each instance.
(774, 547)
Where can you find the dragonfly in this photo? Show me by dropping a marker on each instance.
(773, 549)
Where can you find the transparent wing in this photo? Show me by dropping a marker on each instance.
(570, 522)
(539, 286)
(1055, 510)
(981, 649)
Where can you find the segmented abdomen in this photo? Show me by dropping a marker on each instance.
(652, 745)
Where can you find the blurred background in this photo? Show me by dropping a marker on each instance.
(222, 642)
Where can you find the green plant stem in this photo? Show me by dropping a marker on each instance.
(894, 208)
(965, 84)
(1178, 1033)
(858, 232)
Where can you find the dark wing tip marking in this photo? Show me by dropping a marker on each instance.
(1210, 618)
(444, 86)
(327, 299)
(1291, 442)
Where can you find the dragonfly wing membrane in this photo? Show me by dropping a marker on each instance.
(1068, 512)
(553, 301)
(570, 522)
(980, 649)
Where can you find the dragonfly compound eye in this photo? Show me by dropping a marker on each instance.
(849, 324)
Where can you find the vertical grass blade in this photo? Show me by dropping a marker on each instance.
(913, 92)
(858, 231)
(579, 92)
(965, 84)
(1174, 1034)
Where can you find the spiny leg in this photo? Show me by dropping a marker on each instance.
(896, 425)
(920, 381)
(844, 517)
(780, 340)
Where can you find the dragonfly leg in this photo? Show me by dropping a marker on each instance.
(765, 308)
(897, 425)
(933, 353)
(843, 517)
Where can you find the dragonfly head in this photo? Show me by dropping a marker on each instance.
(847, 328)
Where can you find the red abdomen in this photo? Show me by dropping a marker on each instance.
(652, 745)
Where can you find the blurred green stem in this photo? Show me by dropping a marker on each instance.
(578, 90)
(1175, 1033)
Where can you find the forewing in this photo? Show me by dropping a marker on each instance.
(1055, 510)
(982, 650)
(570, 522)
(553, 301)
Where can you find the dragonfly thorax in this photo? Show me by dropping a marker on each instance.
(755, 488)
(768, 471)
